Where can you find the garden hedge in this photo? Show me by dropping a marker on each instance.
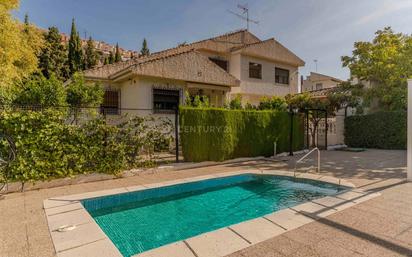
(212, 134)
(49, 147)
(382, 130)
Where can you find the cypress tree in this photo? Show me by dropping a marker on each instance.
(145, 50)
(111, 58)
(53, 56)
(117, 56)
(106, 60)
(90, 56)
(75, 51)
(26, 23)
(26, 19)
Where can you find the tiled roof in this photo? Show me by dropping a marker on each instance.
(319, 76)
(188, 66)
(223, 43)
(321, 92)
(271, 49)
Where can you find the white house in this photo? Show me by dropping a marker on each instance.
(218, 67)
(316, 81)
(319, 85)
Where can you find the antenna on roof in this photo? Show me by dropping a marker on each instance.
(244, 15)
(316, 64)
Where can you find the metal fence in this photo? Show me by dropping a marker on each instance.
(163, 121)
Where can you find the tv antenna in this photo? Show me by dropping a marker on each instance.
(316, 64)
(244, 15)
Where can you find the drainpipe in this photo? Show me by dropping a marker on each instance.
(291, 133)
(409, 133)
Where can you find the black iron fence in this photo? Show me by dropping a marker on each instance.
(157, 130)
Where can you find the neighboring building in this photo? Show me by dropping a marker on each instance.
(317, 81)
(219, 67)
(319, 85)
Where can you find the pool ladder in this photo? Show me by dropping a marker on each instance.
(305, 156)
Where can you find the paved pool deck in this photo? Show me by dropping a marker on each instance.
(381, 226)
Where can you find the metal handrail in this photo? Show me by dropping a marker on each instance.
(304, 157)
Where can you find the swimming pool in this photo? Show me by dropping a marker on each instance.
(139, 221)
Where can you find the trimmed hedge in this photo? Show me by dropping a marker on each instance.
(213, 134)
(382, 130)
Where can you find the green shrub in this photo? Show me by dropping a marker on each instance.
(382, 130)
(273, 103)
(48, 147)
(236, 103)
(220, 134)
(38, 90)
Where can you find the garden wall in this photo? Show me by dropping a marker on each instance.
(213, 134)
(382, 130)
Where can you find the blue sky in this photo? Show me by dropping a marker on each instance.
(314, 29)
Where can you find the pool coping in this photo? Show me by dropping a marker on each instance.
(88, 239)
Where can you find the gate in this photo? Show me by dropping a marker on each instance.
(316, 127)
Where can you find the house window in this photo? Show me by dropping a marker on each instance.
(110, 103)
(319, 86)
(281, 76)
(165, 100)
(221, 63)
(255, 70)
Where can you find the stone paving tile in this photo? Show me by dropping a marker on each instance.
(328, 248)
(257, 230)
(259, 252)
(357, 241)
(288, 219)
(82, 235)
(304, 237)
(371, 222)
(280, 244)
(216, 243)
(101, 248)
(334, 202)
(63, 209)
(76, 217)
(38, 235)
(405, 236)
(305, 251)
(179, 249)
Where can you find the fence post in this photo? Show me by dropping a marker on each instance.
(326, 130)
(177, 133)
(291, 133)
(307, 130)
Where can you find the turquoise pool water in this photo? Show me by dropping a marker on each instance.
(143, 220)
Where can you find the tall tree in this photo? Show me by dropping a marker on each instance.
(117, 56)
(75, 50)
(26, 19)
(111, 58)
(53, 57)
(26, 23)
(145, 49)
(90, 56)
(385, 62)
(18, 48)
